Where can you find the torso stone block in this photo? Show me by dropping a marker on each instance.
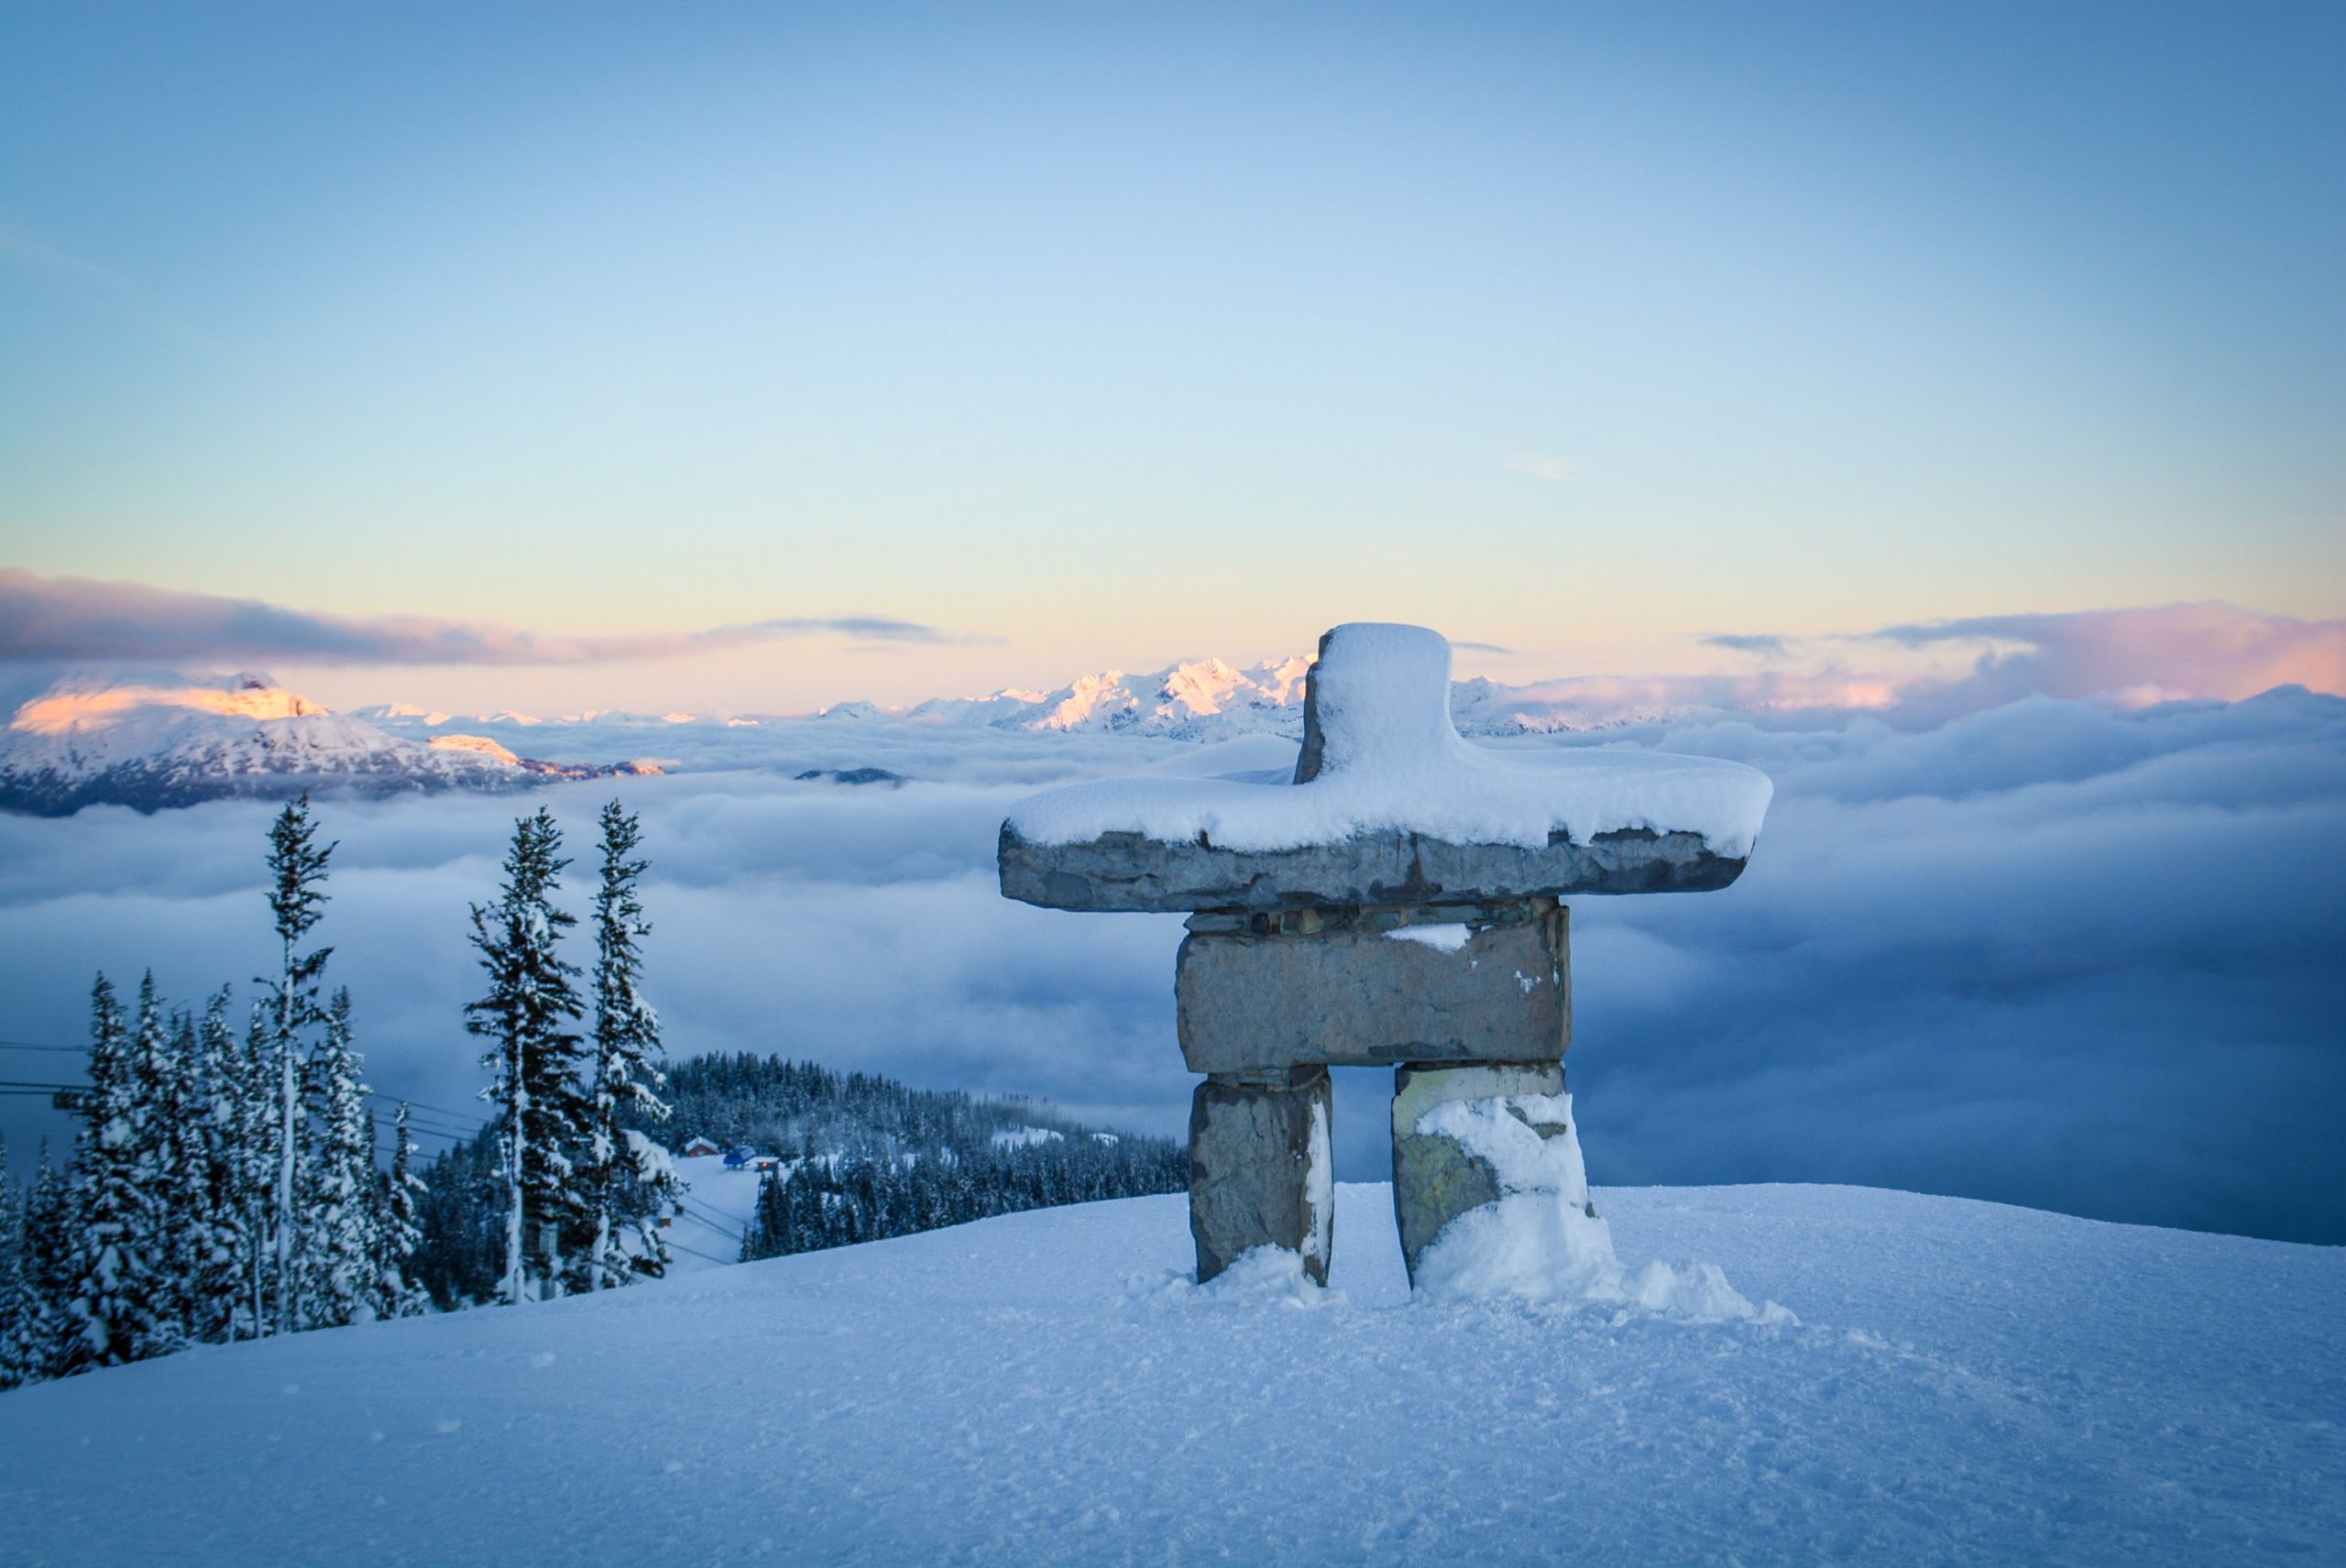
(1375, 987)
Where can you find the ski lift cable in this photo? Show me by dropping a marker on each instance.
(714, 1222)
(704, 1257)
(49, 1047)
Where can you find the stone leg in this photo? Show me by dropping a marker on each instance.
(1434, 1180)
(1260, 1169)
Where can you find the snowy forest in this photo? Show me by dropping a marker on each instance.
(858, 1157)
(864, 1158)
(225, 1187)
(230, 1184)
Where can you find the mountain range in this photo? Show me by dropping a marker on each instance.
(156, 740)
(1201, 699)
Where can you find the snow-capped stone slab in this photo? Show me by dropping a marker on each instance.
(1388, 806)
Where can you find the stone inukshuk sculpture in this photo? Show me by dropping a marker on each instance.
(1396, 903)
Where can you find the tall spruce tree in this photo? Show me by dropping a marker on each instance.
(110, 1286)
(20, 1307)
(339, 1248)
(533, 1058)
(165, 1060)
(624, 1176)
(297, 869)
(260, 1115)
(398, 1230)
(50, 1243)
(227, 1188)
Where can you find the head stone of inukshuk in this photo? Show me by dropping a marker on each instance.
(1396, 903)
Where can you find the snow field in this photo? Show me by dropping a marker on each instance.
(1968, 1382)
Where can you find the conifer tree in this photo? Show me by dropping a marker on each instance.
(398, 1230)
(297, 869)
(49, 1270)
(259, 1117)
(227, 1167)
(532, 1057)
(162, 1059)
(20, 1309)
(624, 1176)
(109, 1292)
(339, 1249)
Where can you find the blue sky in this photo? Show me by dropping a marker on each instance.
(1122, 333)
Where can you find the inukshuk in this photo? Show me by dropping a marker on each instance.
(1398, 903)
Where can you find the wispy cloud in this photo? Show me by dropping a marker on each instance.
(2147, 654)
(1479, 647)
(1561, 469)
(1931, 672)
(1763, 642)
(78, 619)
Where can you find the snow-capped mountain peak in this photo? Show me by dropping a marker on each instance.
(1199, 700)
(150, 741)
(476, 745)
(83, 704)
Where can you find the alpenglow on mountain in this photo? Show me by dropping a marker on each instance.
(151, 742)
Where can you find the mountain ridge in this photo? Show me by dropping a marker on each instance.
(152, 743)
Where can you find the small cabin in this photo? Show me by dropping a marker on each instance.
(696, 1148)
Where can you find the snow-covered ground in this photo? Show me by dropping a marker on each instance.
(1967, 1383)
(718, 1205)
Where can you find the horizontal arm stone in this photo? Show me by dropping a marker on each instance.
(1127, 872)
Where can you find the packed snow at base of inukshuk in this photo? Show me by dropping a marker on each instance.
(1394, 826)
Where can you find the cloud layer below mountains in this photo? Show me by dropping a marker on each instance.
(2053, 952)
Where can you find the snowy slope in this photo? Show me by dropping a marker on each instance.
(718, 1206)
(1966, 1384)
(153, 741)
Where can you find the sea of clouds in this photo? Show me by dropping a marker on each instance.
(2059, 953)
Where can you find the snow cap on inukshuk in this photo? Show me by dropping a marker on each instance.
(1388, 807)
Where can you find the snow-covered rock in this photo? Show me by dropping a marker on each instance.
(1967, 1383)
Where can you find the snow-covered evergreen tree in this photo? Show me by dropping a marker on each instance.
(110, 1286)
(339, 1248)
(21, 1352)
(161, 1058)
(297, 869)
(398, 1230)
(533, 1057)
(260, 1117)
(221, 1190)
(48, 1249)
(624, 1176)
